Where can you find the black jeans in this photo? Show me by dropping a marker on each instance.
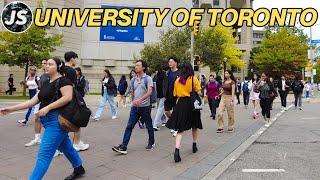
(10, 90)
(265, 104)
(298, 99)
(238, 97)
(213, 104)
(246, 98)
(283, 96)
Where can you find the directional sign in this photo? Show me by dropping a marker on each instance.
(315, 41)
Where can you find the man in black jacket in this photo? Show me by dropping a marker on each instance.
(283, 88)
(297, 87)
(168, 87)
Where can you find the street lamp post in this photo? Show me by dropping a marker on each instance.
(224, 65)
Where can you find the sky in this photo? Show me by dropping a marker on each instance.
(294, 4)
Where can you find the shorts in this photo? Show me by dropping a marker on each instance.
(254, 96)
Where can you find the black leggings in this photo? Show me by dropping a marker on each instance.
(265, 104)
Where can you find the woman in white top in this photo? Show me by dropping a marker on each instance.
(31, 82)
(254, 95)
(307, 88)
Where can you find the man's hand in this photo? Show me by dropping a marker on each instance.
(137, 102)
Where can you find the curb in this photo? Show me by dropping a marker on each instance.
(223, 165)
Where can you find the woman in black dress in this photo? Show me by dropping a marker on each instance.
(183, 117)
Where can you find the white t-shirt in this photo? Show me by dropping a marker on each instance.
(32, 84)
(307, 87)
(104, 82)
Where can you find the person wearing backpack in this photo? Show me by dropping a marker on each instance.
(297, 87)
(122, 88)
(109, 91)
(81, 82)
(31, 82)
(141, 107)
(245, 87)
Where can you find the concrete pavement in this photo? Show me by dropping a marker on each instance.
(101, 162)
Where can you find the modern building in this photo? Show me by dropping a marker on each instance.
(115, 48)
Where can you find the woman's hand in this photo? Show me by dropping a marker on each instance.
(5, 111)
(42, 112)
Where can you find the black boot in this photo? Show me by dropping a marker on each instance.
(177, 155)
(77, 173)
(194, 147)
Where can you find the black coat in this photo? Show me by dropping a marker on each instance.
(80, 85)
(111, 86)
(280, 85)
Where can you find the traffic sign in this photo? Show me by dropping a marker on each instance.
(315, 41)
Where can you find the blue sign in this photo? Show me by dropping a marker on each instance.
(315, 41)
(122, 34)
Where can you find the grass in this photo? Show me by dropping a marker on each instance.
(14, 97)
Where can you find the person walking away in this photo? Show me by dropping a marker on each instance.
(238, 90)
(54, 136)
(10, 85)
(273, 98)
(245, 88)
(203, 82)
(44, 81)
(31, 82)
(297, 87)
(168, 87)
(254, 95)
(184, 117)
(122, 88)
(71, 59)
(267, 92)
(141, 107)
(227, 102)
(212, 89)
(160, 117)
(81, 82)
(108, 93)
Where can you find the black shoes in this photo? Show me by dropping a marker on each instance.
(194, 147)
(120, 149)
(177, 155)
(77, 173)
(150, 147)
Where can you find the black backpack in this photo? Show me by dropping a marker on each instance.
(76, 111)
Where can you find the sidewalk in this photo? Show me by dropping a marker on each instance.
(101, 162)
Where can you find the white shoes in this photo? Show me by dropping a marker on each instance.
(57, 153)
(96, 119)
(81, 146)
(22, 122)
(33, 142)
(174, 133)
(114, 117)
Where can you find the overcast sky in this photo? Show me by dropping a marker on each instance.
(293, 4)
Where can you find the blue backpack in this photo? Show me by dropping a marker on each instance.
(153, 96)
(245, 87)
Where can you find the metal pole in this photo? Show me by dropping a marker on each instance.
(192, 48)
(311, 55)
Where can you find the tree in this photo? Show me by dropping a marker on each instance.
(281, 52)
(27, 48)
(214, 44)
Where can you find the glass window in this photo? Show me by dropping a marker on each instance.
(216, 2)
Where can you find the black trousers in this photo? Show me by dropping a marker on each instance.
(213, 104)
(246, 98)
(283, 97)
(238, 97)
(265, 104)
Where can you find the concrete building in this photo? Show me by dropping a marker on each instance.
(99, 50)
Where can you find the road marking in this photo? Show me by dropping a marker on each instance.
(262, 170)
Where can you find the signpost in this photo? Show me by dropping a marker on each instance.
(315, 41)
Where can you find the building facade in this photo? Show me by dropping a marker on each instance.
(99, 50)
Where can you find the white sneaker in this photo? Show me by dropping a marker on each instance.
(174, 134)
(33, 142)
(81, 146)
(172, 131)
(96, 119)
(267, 125)
(114, 117)
(57, 153)
(23, 122)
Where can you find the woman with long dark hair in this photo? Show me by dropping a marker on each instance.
(227, 102)
(267, 92)
(254, 95)
(122, 88)
(54, 137)
(109, 91)
(160, 117)
(183, 117)
(81, 82)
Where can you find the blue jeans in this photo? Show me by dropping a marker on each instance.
(158, 120)
(106, 98)
(135, 114)
(32, 93)
(53, 138)
(308, 94)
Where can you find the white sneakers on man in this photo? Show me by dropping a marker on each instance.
(81, 146)
(114, 117)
